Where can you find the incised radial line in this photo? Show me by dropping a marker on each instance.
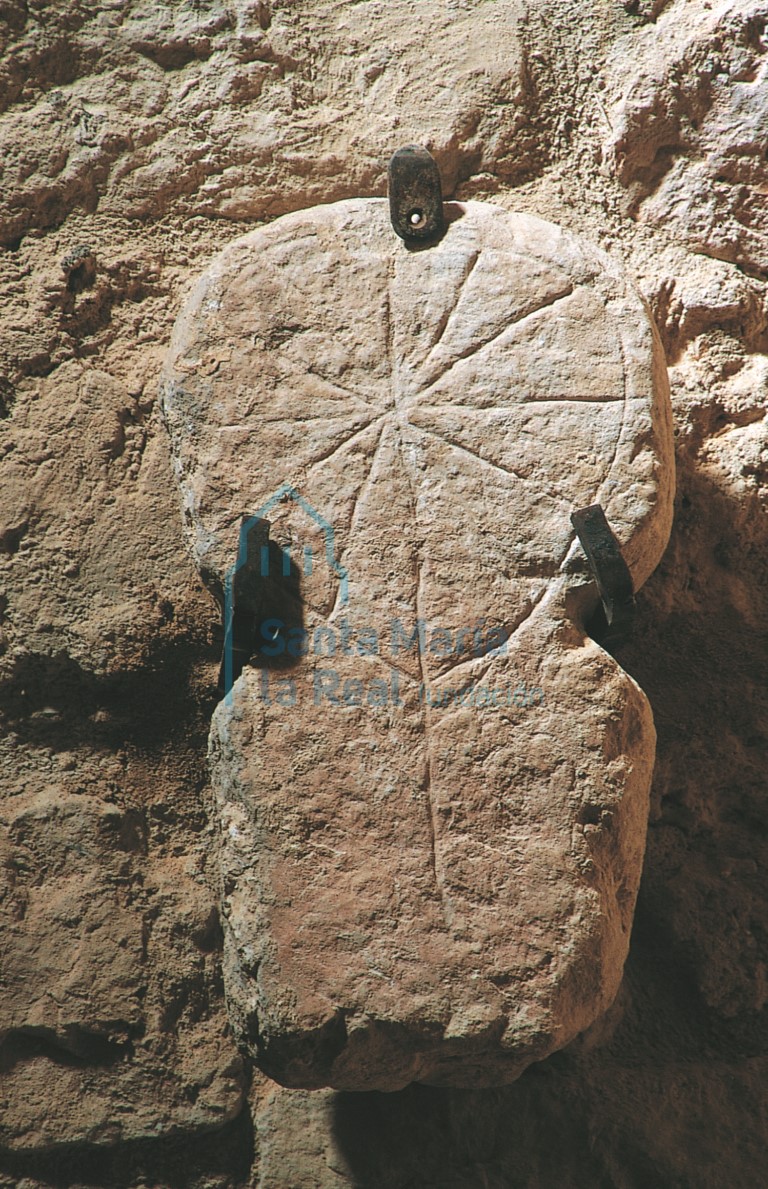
(395, 415)
(446, 320)
(365, 481)
(508, 326)
(325, 458)
(489, 463)
(431, 819)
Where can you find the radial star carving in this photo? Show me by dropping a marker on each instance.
(445, 409)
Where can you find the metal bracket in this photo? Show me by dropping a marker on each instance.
(611, 573)
(242, 601)
(262, 602)
(415, 195)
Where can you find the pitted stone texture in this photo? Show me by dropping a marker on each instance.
(416, 884)
(689, 128)
(102, 973)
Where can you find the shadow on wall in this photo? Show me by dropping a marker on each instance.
(222, 1159)
(462, 1139)
(52, 701)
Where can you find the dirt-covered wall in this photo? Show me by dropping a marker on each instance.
(137, 139)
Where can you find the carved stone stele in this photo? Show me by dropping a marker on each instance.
(432, 816)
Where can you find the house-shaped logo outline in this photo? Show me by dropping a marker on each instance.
(286, 490)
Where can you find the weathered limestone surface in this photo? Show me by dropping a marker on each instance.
(80, 1056)
(688, 132)
(417, 886)
(137, 141)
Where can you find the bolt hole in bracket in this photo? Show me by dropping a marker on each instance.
(611, 624)
(415, 196)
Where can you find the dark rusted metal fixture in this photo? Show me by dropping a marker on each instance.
(415, 195)
(611, 573)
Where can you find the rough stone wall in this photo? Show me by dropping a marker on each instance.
(137, 139)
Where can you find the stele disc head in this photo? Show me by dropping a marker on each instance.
(431, 786)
